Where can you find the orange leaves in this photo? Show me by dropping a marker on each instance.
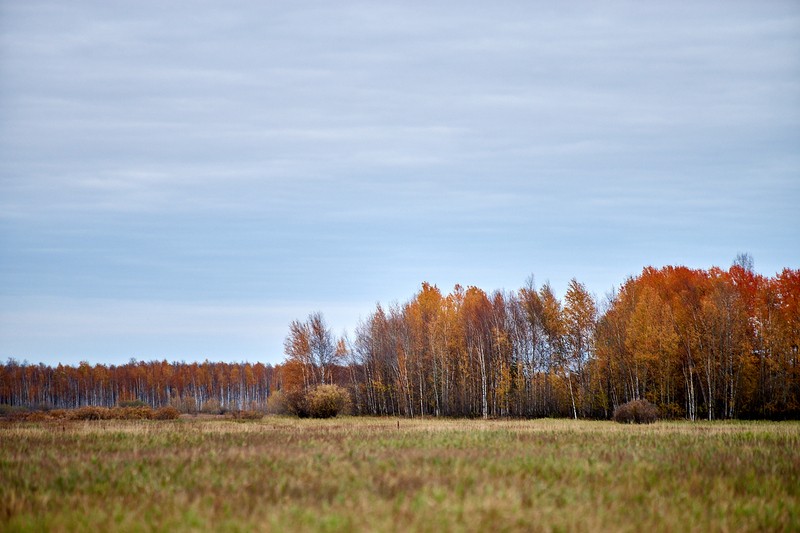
(311, 345)
(720, 336)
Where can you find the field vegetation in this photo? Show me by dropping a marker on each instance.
(388, 474)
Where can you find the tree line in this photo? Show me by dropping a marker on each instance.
(696, 343)
(189, 387)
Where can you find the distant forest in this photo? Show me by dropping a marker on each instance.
(699, 344)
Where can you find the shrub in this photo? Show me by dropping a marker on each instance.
(277, 404)
(184, 404)
(38, 416)
(110, 413)
(246, 415)
(636, 412)
(326, 401)
(297, 403)
(13, 412)
(166, 413)
(89, 413)
(212, 407)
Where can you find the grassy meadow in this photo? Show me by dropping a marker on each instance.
(371, 474)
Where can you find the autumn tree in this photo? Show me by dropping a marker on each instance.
(312, 345)
(579, 317)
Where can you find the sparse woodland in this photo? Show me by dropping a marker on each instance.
(699, 344)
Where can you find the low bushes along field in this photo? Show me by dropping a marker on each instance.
(115, 413)
(98, 413)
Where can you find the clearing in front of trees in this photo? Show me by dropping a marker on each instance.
(382, 474)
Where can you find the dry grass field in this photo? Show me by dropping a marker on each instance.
(368, 474)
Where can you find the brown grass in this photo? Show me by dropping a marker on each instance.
(367, 474)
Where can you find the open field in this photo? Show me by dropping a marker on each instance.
(427, 475)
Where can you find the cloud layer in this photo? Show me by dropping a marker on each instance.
(255, 154)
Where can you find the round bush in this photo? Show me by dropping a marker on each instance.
(166, 413)
(297, 403)
(277, 404)
(636, 412)
(327, 401)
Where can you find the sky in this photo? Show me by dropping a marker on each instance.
(180, 180)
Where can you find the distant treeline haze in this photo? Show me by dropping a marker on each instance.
(697, 343)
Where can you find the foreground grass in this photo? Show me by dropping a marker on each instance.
(369, 474)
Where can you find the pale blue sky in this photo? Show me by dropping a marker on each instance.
(180, 180)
